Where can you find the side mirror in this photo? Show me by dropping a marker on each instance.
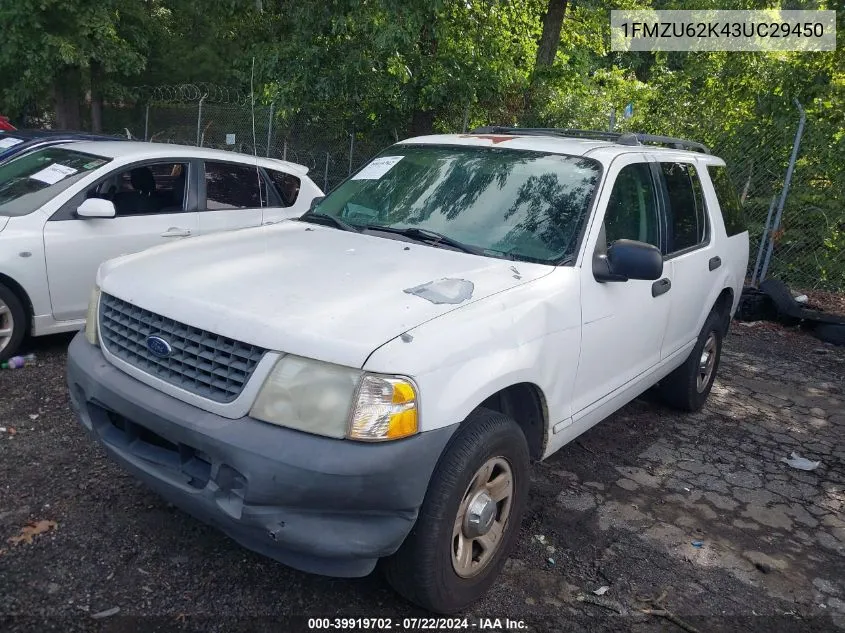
(96, 208)
(628, 259)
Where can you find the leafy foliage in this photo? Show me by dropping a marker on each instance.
(390, 68)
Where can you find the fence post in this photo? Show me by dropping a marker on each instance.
(351, 149)
(326, 174)
(762, 246)
(788, 179)
(285, 150)
(270, 127)
(199, 120)
(466, 119)
(147, 123)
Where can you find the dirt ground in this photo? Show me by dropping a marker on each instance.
(692, 522)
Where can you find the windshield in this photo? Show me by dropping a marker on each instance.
(29, 181)
(506, 203)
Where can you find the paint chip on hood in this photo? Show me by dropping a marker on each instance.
(444, 291)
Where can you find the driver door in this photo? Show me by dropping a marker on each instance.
(155, 205)
(623, 322)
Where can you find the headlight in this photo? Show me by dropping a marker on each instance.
(92, 316)
(326, 399)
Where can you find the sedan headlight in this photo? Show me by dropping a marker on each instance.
(92, 317)
(327, 399)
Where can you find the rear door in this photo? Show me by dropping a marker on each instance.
(158, 208)
(232, 196)
(689, 250)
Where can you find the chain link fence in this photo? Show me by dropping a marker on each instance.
(210, 116)
(796, 215)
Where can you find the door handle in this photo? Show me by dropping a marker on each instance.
(715, 262)
(269, 222)
(661, 286)
(175, 231)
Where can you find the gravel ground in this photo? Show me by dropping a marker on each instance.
(694, 517)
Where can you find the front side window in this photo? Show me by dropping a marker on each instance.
(33, 179)
(686, 213)
(146, 189)
(632, 209)
(500, 202)
(231, 186)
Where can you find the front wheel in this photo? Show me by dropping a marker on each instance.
(688, 386)
(469, 519)
(12, 323)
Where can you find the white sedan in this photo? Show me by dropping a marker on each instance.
(67, 208)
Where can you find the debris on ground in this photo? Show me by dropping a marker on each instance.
(106, 614)
(601, 601)
(662, 612)
(32, 529)
(540, 538)
(551, 561)
(601, 590)
(698, 544)
(8, 429)
(801, 463)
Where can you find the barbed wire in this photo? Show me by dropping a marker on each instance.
(190, 93)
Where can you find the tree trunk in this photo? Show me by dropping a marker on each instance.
(67, 95)
(96, 98)
(422, 122)
(552, 25)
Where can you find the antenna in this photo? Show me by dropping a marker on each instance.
(254, 149)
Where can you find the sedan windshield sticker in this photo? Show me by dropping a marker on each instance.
(9, 141)
(53, 174)
(377, 168)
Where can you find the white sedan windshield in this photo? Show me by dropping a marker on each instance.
(29, 181)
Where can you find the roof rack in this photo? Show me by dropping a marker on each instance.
(621, 138)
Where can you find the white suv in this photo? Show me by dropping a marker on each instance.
(373, 380)
(66, 209)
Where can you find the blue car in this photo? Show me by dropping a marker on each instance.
(17, 142)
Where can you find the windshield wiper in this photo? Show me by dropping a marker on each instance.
(321, 218)
(427, 237)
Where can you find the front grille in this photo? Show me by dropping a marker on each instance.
(203, 363)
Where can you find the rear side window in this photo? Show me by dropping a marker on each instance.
(687, 216)
(728, 200)
(230, 186)
(287, 186)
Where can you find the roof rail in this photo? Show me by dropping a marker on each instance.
(622, 138)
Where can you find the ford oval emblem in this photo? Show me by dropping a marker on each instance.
(158, 346)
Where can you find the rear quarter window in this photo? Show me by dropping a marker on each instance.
(728, 200)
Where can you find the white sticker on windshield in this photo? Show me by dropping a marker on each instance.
(9, 141)
(53, 174)
(378, 168)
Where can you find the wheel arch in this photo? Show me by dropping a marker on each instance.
(19, 291)
(525, 403)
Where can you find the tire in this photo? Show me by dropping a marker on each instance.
(12, 318)
(425, 569)
(681, 389)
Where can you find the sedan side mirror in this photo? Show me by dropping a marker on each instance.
(96, 208)
(628, 259)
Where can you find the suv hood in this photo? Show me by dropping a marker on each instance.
(307, 289)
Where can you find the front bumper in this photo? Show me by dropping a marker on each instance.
(317, 504)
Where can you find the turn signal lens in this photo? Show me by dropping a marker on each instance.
(92, 317)
(386, 409)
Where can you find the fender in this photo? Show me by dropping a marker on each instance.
(467, 355)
